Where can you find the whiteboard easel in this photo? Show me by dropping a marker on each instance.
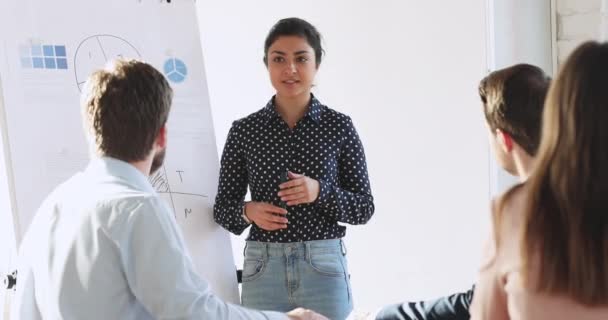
(50, 51)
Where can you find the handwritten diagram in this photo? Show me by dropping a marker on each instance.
(181, 202)
(93, 52)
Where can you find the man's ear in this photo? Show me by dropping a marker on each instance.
(504, 140)
(161, 139)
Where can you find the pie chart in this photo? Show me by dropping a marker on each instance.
(175, 70)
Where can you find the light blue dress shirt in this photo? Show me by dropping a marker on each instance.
(103, 245)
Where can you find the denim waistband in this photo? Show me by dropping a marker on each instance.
(274, 249)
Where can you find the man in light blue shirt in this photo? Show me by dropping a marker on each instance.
(103, 245)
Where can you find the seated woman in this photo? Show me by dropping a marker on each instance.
(548, 254)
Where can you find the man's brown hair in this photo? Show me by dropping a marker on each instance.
(124, 107)
(513, 100)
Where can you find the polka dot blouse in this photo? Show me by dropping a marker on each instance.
(323, 145)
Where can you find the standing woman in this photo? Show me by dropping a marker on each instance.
(305, 167)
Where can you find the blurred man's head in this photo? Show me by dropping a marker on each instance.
(513, 100)
(125, 109)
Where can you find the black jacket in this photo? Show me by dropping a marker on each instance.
(454, 307)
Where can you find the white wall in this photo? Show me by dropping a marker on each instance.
(407, 73)
(579, 21)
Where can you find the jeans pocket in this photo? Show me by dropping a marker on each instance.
(328, 264)
(252, 269)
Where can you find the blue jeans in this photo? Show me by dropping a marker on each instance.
(310, 274)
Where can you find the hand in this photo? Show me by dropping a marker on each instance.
(304, 314)
(264, 215)
(300, 189)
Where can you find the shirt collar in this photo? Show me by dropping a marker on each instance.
(107, 166)
(314, 110)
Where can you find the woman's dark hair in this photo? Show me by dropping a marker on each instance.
(295, 27)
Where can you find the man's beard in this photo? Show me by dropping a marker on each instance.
(157, 161)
